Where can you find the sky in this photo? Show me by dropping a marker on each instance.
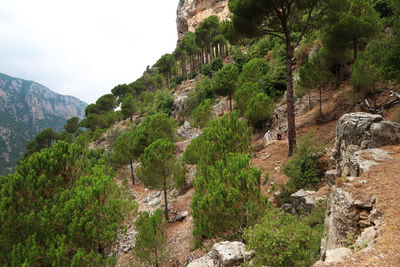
(84, 48)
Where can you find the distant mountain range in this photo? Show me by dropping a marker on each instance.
(26, 109)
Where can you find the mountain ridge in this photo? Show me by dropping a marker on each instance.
(26, 109)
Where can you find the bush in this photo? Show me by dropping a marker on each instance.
(203, 90)
(163, 102)
(253, 71)
(283, 240)
(260, 108)
(207, 70)
(150, 239)
(217, 64)
(202, 114)
(227, 198)
(302, 168)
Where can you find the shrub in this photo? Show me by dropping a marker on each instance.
(283, 240)
(253, 71)
(163, 102)
(207, 70)
(202, 114)
(302, 168)
(260, 108)
(150, 239)
(217, 64)
(243, 95)
(227, 198)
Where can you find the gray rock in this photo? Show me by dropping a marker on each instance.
(205, 261)
(341, 220)
(154, 202)
(186, 131)
(302, 202)
(336, 255)
(330, 177)
(366, 238)
(360, 131)
(224, 254)
(231, 253)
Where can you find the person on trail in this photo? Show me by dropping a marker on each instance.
(279, 134)
(266, 137)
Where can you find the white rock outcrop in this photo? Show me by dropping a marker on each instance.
(224, 254)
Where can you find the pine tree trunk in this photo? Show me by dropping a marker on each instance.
(289, 96)
(166, 201)
(309, 100)
(132, 174)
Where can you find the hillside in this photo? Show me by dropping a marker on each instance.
(268, 139)
(26, 109)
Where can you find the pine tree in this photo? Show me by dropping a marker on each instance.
(227, 198)
(150, 239)
(157, 167)
(61, 206)
(225, 82)
(253, 18)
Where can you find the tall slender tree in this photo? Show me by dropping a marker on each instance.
(280, 18)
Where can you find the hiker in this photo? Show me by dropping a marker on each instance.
(266, 137)
(279, 134)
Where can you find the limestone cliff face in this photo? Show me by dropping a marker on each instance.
(191, 12)
(27, 108)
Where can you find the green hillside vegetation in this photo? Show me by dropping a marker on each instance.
(63, 206)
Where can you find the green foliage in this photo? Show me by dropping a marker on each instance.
(207, 70)
(283, 240)
(163, 102)
(72, 125)
(302, 168)
(239, 58)
(120, 91)
(129, 106)
(227, 198)
(203, 91)
(348, 23)
(106, 103)
(202, 113)
(225, 82)
(384, 54)
(253, 71)
(364, 79)
(261, 48)
(219, 138)
(150, 239)
(243, 95)
(165, 65)
(217, 64)
(274, 82)
(147, 102)
(157, 164)
(60, 207)
(260, 108)
(41, 141)
(157, 167)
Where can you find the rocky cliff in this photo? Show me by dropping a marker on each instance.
(191, 12)
(365, 153)
(27, 108)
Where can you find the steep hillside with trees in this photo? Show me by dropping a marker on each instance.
(183, 167)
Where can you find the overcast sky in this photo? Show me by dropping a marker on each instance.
(84, 48)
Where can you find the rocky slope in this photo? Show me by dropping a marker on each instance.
(27, 108)
(191, 12)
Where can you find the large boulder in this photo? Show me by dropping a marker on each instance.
(360, 131)
(224, 254)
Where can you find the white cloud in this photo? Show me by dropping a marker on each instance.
(84, 48)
